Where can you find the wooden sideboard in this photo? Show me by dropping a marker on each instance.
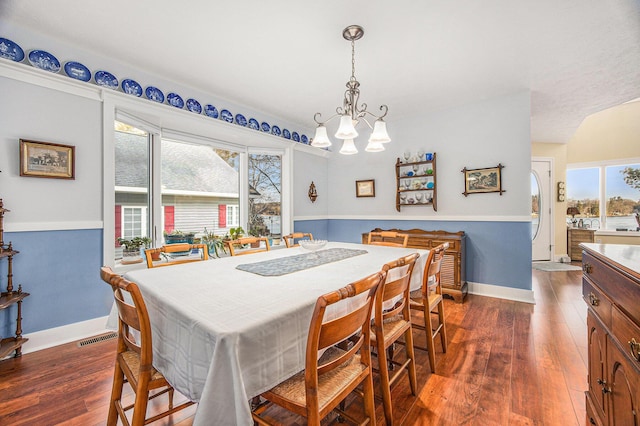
(452, 276)
(611, 289)
(575, 237)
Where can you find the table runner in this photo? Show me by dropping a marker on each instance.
(287, 265)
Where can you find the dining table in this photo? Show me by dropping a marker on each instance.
(225, 330)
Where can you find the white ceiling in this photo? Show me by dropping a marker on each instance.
(288, 57)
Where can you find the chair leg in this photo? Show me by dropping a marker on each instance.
(428, 325)
(384, 382)
(142, 399)
(369, 403)
(116, 394)
(443, 329)
(408, 338)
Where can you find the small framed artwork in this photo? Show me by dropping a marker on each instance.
(48, 160)
(483, 180)
(365, 188)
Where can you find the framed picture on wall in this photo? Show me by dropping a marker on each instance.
(48, 160)
(483, 180)
(365, 188)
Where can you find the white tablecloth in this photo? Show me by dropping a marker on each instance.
(222, 336)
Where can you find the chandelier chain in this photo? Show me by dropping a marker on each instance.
(353, 60)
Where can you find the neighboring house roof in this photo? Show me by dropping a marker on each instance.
(185, 167)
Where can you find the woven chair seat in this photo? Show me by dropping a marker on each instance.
(329, 384)
(132, 359)
(391, 326)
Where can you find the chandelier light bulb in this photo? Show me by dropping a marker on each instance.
(379, 133)
(321, 140)
(348, 147)
(346, 129)
(374, 147)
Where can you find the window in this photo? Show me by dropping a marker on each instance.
(614, 208)
(134, 222)
(265, 195)
(233, 215)
(199, 182)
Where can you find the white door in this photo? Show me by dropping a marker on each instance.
(541, 209)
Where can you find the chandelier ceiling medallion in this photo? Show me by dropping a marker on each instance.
(351, 113)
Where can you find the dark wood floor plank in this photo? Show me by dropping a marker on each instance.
(508, 363)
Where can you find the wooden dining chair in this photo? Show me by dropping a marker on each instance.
(134, 357)
(171, 251)
(388, 238)
(232, 245)
(290, 240)
(429, 301)
(319, 389)
(390, 324)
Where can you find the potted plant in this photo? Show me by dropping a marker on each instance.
(176, 237)
(131, 248)
(235, 233)
(214, 242)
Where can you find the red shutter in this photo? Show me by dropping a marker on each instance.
(118, 222)
(169, 218)
(222, 215)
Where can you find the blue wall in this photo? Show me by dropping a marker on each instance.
(497, 253)
(61, 271)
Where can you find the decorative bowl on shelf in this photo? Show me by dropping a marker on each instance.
(312, 245)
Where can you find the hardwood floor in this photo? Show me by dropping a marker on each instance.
(508, 363)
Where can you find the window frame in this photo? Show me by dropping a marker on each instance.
(601, 166)
(165, 123)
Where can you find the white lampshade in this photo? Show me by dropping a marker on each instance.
(379, 134)
(321, 140)
(374, 147)
(346, 129)
(348, 147)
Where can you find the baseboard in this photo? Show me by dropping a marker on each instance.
(67, 333)
(490, 290)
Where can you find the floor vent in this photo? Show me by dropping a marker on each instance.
(97, 339)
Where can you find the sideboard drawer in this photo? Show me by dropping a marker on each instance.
(620, 287)
(597, 301)
(627, 334)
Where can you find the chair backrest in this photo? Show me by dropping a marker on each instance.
(232, 245)
(170, 249)
(289, 240)
(388, 238)
(324, 333)
(431, 277)
(395, 288)
(132, 316)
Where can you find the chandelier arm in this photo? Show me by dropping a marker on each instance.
(378, 117)
(366, 121)
(317, 115)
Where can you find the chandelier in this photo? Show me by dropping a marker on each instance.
(351, 113)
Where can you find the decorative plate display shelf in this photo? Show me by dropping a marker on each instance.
(416, 183)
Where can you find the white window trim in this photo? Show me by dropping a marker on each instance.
(236, 215)
(202, 130)
(143, 223)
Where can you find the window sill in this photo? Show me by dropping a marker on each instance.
(617, 233)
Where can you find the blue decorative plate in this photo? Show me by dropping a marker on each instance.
(131, 87)
(77, 70)
(194, 106)
(241, 120)
(286, 134)
(175, 100)
(253, 124)
(275, 130)
(154, 94)
(106, 79)
(304, 139)
(265, 127)
(10, 50)
(210, 111)
(226, 116)
(44, 60)
(295, 136)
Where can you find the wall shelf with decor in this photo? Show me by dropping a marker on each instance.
(416, 183)
(10, 297)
